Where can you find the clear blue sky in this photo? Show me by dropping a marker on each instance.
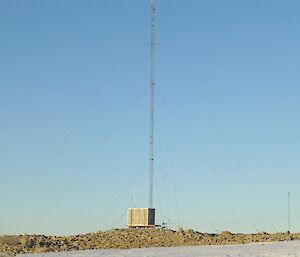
(74, 79)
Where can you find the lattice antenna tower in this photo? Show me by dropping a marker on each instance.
(152, 105)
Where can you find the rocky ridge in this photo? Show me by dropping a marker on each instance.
(130, 238)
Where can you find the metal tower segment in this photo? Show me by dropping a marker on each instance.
(289, 212)
(152, 87)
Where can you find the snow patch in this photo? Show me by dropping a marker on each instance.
(277, 249)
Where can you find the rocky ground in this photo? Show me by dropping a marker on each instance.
(130, 238)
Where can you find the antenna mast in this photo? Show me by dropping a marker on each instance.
(289, 212)
(135, 216)
(152, 87)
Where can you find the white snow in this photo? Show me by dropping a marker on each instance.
(278, 249)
